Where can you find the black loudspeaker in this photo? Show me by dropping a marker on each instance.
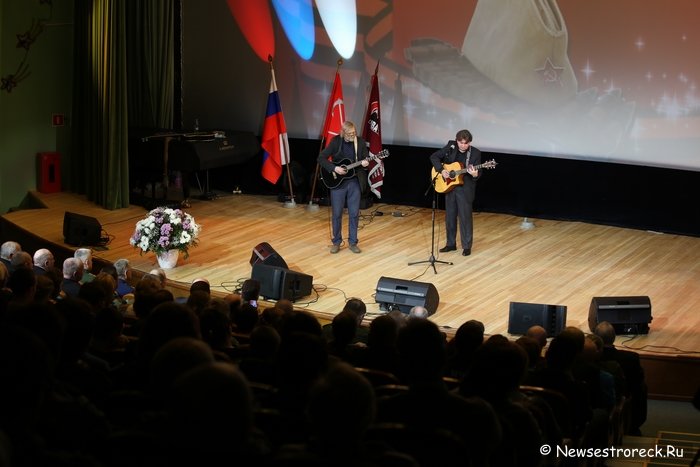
(277, 282)
(399, 294)
(524, 315)
(81, 230)
(265, 254)
(628, 315)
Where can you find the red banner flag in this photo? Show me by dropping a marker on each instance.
(335, 114)
(372, 133)
(274, 137)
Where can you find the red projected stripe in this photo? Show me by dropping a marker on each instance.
(255, 20)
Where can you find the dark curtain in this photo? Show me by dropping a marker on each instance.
(150, 40)
(101, 104)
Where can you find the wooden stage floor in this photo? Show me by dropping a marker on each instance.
(557, 262)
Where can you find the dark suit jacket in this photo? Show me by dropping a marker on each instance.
(333, 151)
(450, 153)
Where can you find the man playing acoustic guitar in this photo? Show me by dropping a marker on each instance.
(460, 189)
(345, 149)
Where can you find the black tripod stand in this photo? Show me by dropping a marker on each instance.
(432, 259)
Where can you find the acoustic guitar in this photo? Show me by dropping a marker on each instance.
(333, 179)
(456, 172)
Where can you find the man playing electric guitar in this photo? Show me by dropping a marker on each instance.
(458, 200)
(345, 146)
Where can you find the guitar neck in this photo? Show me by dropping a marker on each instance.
(465, 170)
(354, 164)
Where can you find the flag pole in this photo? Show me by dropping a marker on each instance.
(291, 203)
(313, 206)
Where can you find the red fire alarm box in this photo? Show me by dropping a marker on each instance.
(49, 177)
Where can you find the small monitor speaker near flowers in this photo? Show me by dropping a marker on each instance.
(80, 230)
(165, 229)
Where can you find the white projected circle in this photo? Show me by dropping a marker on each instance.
(340, 20)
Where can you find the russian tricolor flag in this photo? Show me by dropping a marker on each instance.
(274, 137)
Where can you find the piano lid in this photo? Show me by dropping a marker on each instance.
(209, 150)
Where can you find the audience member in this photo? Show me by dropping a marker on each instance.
(45, 290)
(72, 273)
(197, 301)
(85, 257)
(538, 333)
(200, 284)
(45, 265)
(381, 352)
(418, 312)
(244, 321)
(611, 366)
(22, 283)
(358, 308)
(7, 251)
(533, 351)
(428, 403)
(108, 341)
(557, 375)
(285, 305)
(97, 294)
(146, 297)
(259, 364)
(43, 261)
(461, 349)
(272, 316)
(165, 322)
(111, 271)
(26, 367)
(634, 375)
(341, 408)
(21, 259)
(5, 293)
(160, 274)
(211, 418)
(250, 292)
(496, 374)
(344, 328)
(215, 326)
(4, 275)
(174, 359)
(77, 367)
(123, 270)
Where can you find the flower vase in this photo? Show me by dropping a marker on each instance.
(168, 259)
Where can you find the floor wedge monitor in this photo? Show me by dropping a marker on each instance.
(400, 294)
(265, 254)
(522, 316)
(80, 230)
(628, 315)
(277, 283)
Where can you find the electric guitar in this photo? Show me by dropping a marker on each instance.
(443, 185)
(333, 179)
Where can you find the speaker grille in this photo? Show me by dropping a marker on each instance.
(402, 295)
(628, 315)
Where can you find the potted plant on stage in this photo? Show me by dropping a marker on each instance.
(166, 232)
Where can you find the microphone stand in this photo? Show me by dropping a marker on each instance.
(432, 259)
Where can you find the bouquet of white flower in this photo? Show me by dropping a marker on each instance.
(166, 229)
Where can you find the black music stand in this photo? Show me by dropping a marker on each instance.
(432, 259)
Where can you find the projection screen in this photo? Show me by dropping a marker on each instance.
(604, 80)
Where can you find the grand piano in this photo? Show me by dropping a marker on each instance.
(154, 155)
